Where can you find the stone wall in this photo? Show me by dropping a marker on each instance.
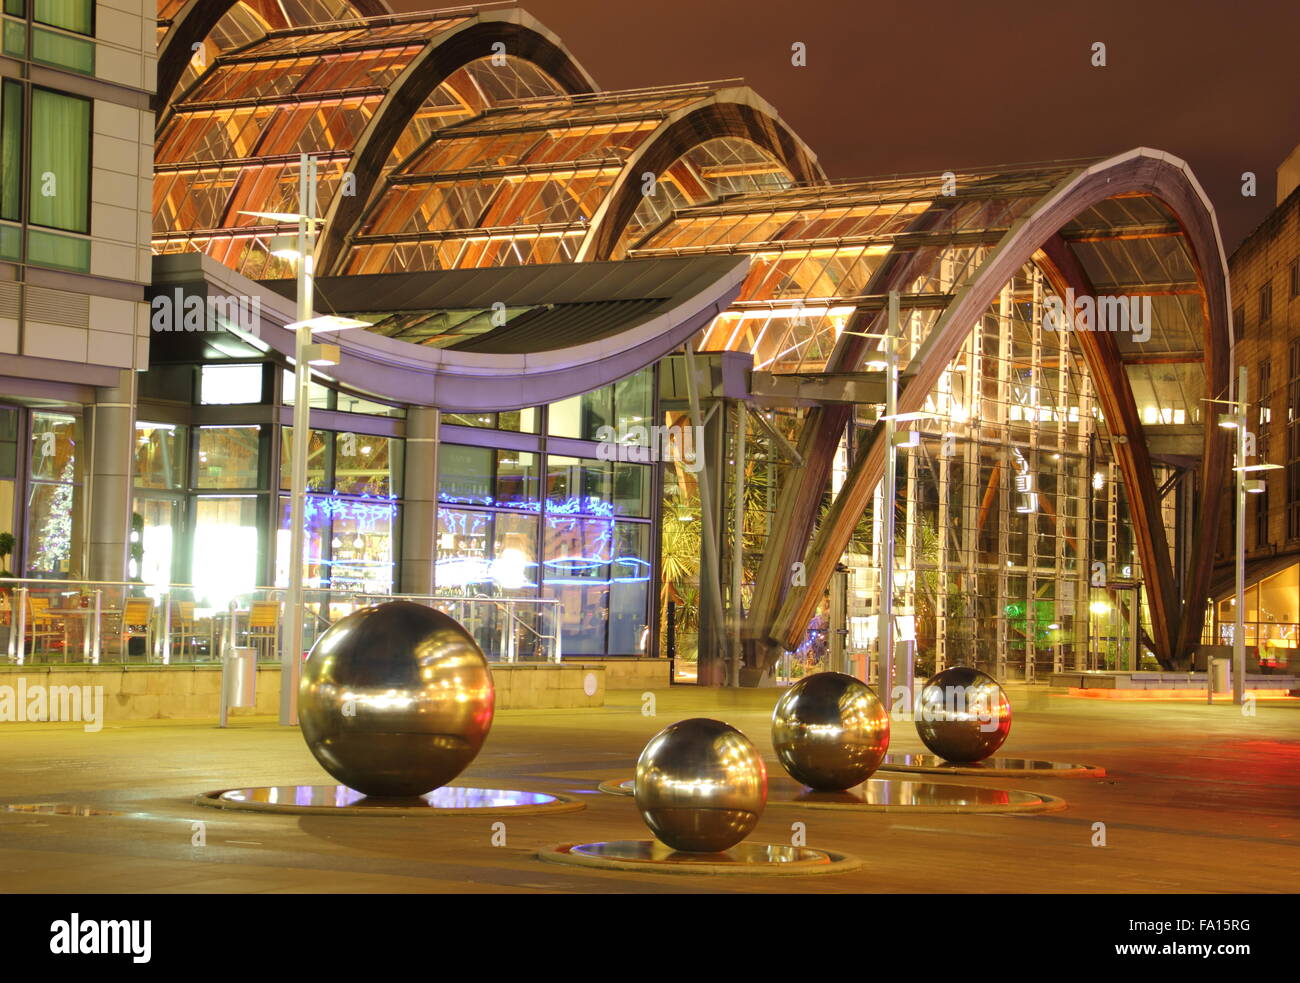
(194, 692)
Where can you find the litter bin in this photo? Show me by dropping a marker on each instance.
(238, 679)
(1220, 674)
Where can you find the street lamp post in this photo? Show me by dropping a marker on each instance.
(306, 353)
(291, 657)
(888, 492)
(1239, 636)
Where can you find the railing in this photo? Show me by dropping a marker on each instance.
(94, 622)
(508, 629)
(1277, 641)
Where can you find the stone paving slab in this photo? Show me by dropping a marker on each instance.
(1196, 799)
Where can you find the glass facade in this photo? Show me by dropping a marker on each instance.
(515, 523)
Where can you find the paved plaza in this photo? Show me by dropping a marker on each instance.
(1196, 799)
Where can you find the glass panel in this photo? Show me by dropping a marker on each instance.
(11, 148)
(583, 415)
(8, 448)
(227, 384)
(348, 403)
(464, 474)
(160, 455)
(486, 420)
(11, 239)
(225, 550)
(576, 564)
(60, 161)
(228, 457)
(518, 421)
(633, 402)
(518, 479)
(7, 489)
(318, 442)
(1279, 596)
(15, 39)
(53, 514)
(576, 485)
(71, 15)
(462, 549)
(629, 589)
(514, 556)
(315, 568)
(54, 510)
(320, 395)
(366, 465)
(361, 547)
(631, 489)
(16, 7)
(59, 251)
(61, 50)
(161, 518)
(55, 438)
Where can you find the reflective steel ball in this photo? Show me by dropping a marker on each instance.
(395, 700)
(962, 714)
(700, 785)
(830, 731)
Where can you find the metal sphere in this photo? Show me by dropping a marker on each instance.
(700, 785)
(830, 731)
(962, 714)
(395, 700)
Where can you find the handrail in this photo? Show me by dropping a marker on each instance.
(81, 613)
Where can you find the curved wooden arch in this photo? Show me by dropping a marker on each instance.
(523, 36)
(195, 21)
(1141, 171)
(736, 112)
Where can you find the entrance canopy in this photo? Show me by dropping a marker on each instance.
(484, 340)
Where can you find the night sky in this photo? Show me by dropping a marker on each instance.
(893, 86)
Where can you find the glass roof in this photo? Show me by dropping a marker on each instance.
(230, 144)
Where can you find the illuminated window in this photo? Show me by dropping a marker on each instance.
(228, 384)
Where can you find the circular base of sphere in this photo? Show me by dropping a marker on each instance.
(616, 787)
(339, 800)
(895, 795)
(993, 767)
(653, 857)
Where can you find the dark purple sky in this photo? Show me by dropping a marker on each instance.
(912, 85)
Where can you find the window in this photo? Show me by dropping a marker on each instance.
(1263, 426)
(59, 180)
(77, 16)
(160, 456)
(228, 457)
(1293, 443)
(53, 495)
(1295, 279)
(1265, 302)
(1239, 323)
(226, 384)
(11, 149)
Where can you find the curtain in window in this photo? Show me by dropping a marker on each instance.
(11, 149)
(71, 15)
(60, 176)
